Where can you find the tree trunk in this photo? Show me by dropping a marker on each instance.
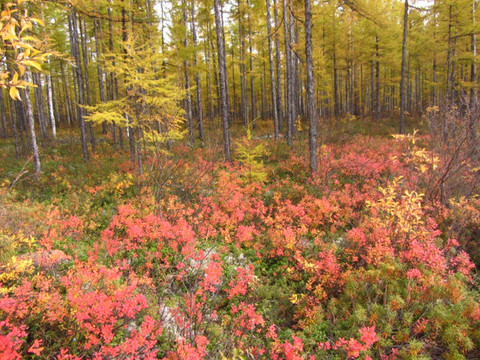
(277, 64)
(86, 78)
(404, 60)
(186, 65)
(197, 77)
(78, 76)
(97, 28)
(243, 76)
(272, 74)
(310, 88)
(223, 80)
(288, 81)
(252, 82)
(31, 128)
(377, 80)
(3, 115)
(473, 70)
(51, 108)
(39, 102)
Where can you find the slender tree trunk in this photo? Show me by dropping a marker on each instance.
(197, 76)
(51, 111)
(14, 126)
(31, 129)
(289, 102)
(434, 65)
(73, 29)
(130, 130)
(404, 59)
(86, 78)
(473, 70)
(252, 81)
(186, 65)
(449, 89)
(277, 64)
(272, 74)
(310, 87)
(3, 115)
(377, 80)
(97, 28)
(223, 80)
(39, 102)
(243, 76)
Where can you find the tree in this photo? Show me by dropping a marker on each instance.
(149, 100)
(311, 112)
(404, 59)
(225, 111)
(20, 51)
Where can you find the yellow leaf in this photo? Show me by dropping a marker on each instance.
(33, 64)
(14, 93)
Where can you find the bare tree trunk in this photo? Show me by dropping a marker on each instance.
(272, 74)
(86, 78)
(277, 63)
(31, 129)
(252, 82)
(404, 60)
(449, 89)
(197, 77)
(289, 102)
(378, 105)
(186, 65)
(39, 102)
(51, 111)
(14, 126)
(223, 80)
(97, 28)
(310, 87)
(473, 71)
(243, 76)
(78, 76)
(434, 65)
(4, 115)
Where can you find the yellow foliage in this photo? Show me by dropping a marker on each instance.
(418, 157)
(251, 157)
(14, 266)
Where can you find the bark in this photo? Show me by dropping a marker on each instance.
(473, 70)
(197, 77)
(252, 82)
(449, 58)
(97, 28)
(3, 115)
(223, 80)
(31, 129)
(277, 64)
(14, 127)
(402, 80)
(86, 78)
(39, 102)
(272, 74)
(75, 49)
(378, 105)
(51, 108)
(310, 88)
(288, 105)
(129, 129)
(243, 75)
(186, 65)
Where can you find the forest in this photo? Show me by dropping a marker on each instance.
(239, 179)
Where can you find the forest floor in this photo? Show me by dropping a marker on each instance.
(254, 260)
